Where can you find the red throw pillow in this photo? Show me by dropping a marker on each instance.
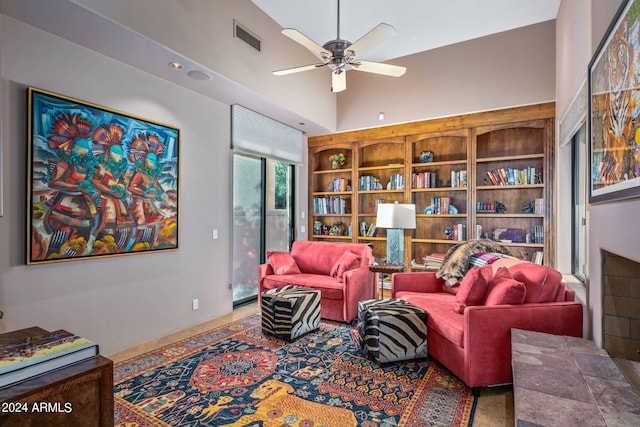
(506, 291)
(282, 263)
(347, 261)
(472, 288)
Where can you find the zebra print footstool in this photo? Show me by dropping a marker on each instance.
(290, 311)
(391, 330)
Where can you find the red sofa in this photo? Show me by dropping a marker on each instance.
(338, 270)
(472, 339)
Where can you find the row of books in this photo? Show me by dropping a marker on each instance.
(369, 183)
(538, 206)
(396, 182)
(459, 232)
(459, 179)
(423, 180)
(329, 205)
(511, 176)
(339, 184)
(433, 261)
(537, 257)
(29, 357)
(440, 205)
(367, 229)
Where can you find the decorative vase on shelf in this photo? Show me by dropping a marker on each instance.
(426, 157)
(337, 160)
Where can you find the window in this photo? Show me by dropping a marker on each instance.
(579, 205)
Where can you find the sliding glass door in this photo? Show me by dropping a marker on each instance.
(262, 218)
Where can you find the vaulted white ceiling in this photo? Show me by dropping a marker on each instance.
(420, 24)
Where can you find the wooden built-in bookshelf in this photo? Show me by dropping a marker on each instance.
(383, 165)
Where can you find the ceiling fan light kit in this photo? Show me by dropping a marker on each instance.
(340, 55)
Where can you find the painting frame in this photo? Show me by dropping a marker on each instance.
(100, 182)
(614, 110)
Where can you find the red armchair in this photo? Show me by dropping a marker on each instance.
(338, 270)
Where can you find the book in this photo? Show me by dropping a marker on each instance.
(33, 356)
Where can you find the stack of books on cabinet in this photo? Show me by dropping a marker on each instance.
(29, 357)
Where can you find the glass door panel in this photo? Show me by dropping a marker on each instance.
(247, 225)
(262, 218)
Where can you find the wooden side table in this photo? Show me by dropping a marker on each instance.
(80, 394)
(378, 270)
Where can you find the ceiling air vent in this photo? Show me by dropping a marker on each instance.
(246, 36)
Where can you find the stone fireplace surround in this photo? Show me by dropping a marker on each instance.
(621, 313)
(621, 306)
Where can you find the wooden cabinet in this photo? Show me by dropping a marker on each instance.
(444, 167)
(80, 394)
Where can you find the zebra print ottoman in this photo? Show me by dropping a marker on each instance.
(391, 330)
(290, 311)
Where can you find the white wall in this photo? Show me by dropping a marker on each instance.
(508, 69)
(202, 31)
(611, 226)
(123, 301)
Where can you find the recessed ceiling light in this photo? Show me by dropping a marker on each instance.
(175, 65)
(198, 75)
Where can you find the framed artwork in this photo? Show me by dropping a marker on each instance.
(614, 110)
(100, 183)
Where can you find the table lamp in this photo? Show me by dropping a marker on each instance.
(396, 217)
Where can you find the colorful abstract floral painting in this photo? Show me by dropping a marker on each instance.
(101, 183)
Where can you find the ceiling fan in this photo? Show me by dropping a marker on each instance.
(340, 55)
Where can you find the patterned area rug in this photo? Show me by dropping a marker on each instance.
(236, 376)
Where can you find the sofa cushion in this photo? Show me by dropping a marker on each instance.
(450, 289)
(282, 263)
(347, 261)
(504, 289)
(440, 315)
(328, 286)
(319, 257)
(473, 288)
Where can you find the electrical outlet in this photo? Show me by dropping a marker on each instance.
(195, 304)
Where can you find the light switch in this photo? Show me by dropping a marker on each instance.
(215, 233)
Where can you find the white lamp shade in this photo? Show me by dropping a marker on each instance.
(396, 215)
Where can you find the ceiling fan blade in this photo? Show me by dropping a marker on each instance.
(338, 81)
(286, 71)
(379, 68)
(379, 34)
(295, 35)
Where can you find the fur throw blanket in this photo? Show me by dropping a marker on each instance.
(456, 261)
